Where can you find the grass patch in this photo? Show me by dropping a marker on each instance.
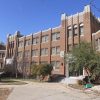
(11, 82)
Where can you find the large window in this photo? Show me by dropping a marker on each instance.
(44, 38)
(55, 50)
(20, 44)
(27, 42)
(55, 36)
(35, 40)
(35, 52)
(44, 51)
(27, 53)
(55, 64)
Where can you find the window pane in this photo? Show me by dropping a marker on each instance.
(34, 63)
(57, 36)
(69, 48)
(53, 50)
(35, 41)
(44, 62)
(42, 51)
(21, 44)
(81, 30)
(20, 54)
(58, 50)
(69, 32)
(46, 51)
(43, 39)
(53, 36)
(35, 52)
(57, 65)
(46, 38)
(75, 31)
(27, 53)
(28, 42)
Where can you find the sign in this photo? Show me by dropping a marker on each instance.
(61, 53)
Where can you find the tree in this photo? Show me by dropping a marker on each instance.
(42, 70)
(87, 58)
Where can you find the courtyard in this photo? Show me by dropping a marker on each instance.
(48, 91)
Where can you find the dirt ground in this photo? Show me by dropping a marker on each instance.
(4, 92)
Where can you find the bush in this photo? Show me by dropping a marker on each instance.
(79, 82)
(42, 70)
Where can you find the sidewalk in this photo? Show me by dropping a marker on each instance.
(96, 88)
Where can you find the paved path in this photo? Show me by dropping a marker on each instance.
(48, 91)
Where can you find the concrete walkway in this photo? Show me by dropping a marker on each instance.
(48, 91)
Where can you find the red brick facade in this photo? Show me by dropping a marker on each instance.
(45, 46)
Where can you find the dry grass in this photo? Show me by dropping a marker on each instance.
(76, 86)
(4, 92)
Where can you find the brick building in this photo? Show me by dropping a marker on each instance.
(2, 55)
(45, 46)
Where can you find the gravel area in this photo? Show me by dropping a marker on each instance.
(4, 92)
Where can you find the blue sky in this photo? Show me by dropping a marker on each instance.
(30, 16)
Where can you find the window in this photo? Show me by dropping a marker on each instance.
(44, 62)
(44, 38)
(69, 33)
(1, 65)
(34, 63)
(55, 50)
(35, 52)
(55, 64)
(75, 30)
(35, 41)
(20, 44)
(27, 42)
(27, 64)
(0, 55)
(44, 51)
(20, 54)
(27, 53)
(75, 45)
(81, 29)
(55, 36)
(69, 47)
